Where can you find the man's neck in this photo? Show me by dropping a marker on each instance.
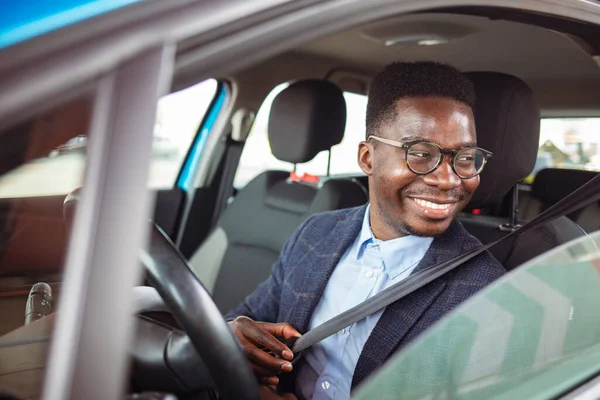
(380, 229)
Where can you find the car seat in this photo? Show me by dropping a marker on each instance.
(306, 118)
(507, 120)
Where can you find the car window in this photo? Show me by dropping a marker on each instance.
(257, 158)
(61, 170)
(178, 118)
(33, 240)
(535, 333)
(570, 143)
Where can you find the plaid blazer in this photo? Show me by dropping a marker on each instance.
(307, 260)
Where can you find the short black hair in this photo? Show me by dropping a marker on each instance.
(414, 79)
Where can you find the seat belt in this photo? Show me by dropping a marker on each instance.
(241, 122)
(233, 151)
(585, 195)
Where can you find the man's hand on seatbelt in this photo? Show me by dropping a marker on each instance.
(262, 346)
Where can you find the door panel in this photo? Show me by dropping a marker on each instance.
(36, 220)
(40, 220)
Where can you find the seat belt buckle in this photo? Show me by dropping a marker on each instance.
(508, 227)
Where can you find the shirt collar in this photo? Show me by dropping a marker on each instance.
(366, 234)
(397, 254)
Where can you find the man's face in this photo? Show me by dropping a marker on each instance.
(400, 199)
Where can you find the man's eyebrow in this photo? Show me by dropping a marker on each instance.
(408, 139)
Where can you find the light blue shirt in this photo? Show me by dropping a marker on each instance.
(367, 267)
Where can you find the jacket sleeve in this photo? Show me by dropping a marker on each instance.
(263, 304)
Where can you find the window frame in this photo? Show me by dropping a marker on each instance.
(94, 254)
(189, 166)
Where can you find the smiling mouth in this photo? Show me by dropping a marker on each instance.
(434, 209)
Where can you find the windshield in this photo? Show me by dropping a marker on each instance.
(533, 334)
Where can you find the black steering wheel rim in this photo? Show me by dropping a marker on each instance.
(192, 306)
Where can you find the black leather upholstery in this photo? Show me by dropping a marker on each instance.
(507, 119)
(306, 118)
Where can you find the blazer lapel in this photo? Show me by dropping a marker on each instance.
(400, 316)
(327, 256)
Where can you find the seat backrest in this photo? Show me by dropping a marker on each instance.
(306, 118)
(553, 184)
(507, 119)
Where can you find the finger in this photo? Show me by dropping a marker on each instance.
(284, 330)
(281, 330)
(264, 339)
(262, 372)
(268, 380)
(267, 393)
(264, 360)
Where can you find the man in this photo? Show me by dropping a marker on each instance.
(423, 166)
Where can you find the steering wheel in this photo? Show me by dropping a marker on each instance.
(194, 309)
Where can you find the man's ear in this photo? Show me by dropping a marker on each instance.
(365, 157)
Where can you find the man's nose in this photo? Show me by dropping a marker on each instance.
(444, 176)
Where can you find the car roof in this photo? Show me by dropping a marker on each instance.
(25, 19)
(554, 64)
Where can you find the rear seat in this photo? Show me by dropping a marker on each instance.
(550, 186)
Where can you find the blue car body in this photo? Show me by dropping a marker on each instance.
(25, 19)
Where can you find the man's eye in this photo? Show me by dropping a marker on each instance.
(466, 158)
(420, 154)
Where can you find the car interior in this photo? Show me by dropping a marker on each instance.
(525, 67)
(513, 93)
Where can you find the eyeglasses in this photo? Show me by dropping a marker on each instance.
(423, 157)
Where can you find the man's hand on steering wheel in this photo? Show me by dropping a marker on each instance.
(258, 340)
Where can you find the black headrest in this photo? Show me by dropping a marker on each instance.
(507, 120)
(307, 117)
(554, 184)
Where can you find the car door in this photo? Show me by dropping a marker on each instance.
(533, 334)
(126, 62)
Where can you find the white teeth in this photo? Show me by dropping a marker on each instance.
(429, 204)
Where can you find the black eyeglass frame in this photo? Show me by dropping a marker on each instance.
(408, 144)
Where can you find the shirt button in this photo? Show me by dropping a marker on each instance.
(369, 274)
(325, 385)
(342, 331)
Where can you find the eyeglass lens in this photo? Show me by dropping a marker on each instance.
(423, 157)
